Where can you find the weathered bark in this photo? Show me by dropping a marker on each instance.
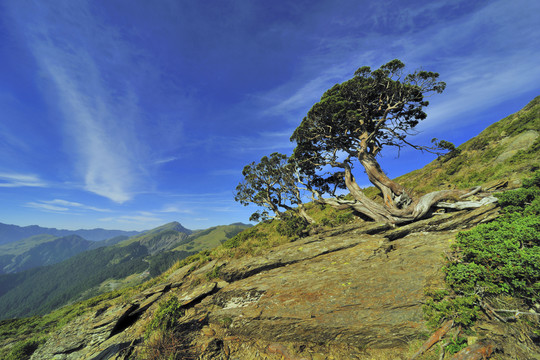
(302, 212)
(394, 194)
(461, 205)
(391, 212)
(434, 338)
(362, 203)
(478, 351)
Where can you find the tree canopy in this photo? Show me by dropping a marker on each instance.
(271, 184)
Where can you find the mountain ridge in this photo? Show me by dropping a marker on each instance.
(11, 233)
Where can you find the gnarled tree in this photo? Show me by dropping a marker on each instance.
(353, 122)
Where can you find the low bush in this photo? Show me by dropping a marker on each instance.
(24, 349)
(497, 258)
(166, 317)
(292, 226)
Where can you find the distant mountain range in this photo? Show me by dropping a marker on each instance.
(77, 268)
(42, 250)
(11, 233)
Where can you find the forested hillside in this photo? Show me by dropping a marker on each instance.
(128, 263)
(41, 250)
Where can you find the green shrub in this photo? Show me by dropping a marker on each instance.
(440, 306)
(292, 226)
(166, 317)
(500, 257)
(214, 273)
(533, 182)
(242, 237)
(456, 345)
(24, 349)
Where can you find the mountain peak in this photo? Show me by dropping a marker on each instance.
(174, 225)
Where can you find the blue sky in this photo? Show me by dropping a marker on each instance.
(130, 114)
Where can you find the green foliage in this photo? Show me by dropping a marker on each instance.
(440, 306)
(456, 345)
(270, 184)
(444, 145)
(352, 121)
(166, 317)
(24, 349)
(214, 273)
(533, 182)
(292, 226)
(497, 258)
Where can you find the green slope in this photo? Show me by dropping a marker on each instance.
(21, 246)
(165, 237)
(210, 238)
(45, 249)
(508, 150)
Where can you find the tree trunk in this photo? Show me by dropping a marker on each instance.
(302, 212)
(362, 203)
(394, 194)
(390, 212)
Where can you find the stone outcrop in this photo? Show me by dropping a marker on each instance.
(353, 292)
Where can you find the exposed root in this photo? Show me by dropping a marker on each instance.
(433, 339)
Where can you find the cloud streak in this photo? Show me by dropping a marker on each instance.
(60, 205)
(20, 180)
(47, 207)
(78, 55)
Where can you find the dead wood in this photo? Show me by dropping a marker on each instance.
(433, 339)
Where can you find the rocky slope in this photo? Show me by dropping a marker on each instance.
(354, 292)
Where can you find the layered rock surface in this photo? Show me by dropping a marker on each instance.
(348, 293)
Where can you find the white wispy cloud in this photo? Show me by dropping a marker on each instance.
(486, 56)
(47, 207)
(76, 205)
(166, 160)
(79, 55)
(175, 209)
(20, 180)
(59, 205)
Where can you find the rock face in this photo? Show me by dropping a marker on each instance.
(349, 293)
(369, 294)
